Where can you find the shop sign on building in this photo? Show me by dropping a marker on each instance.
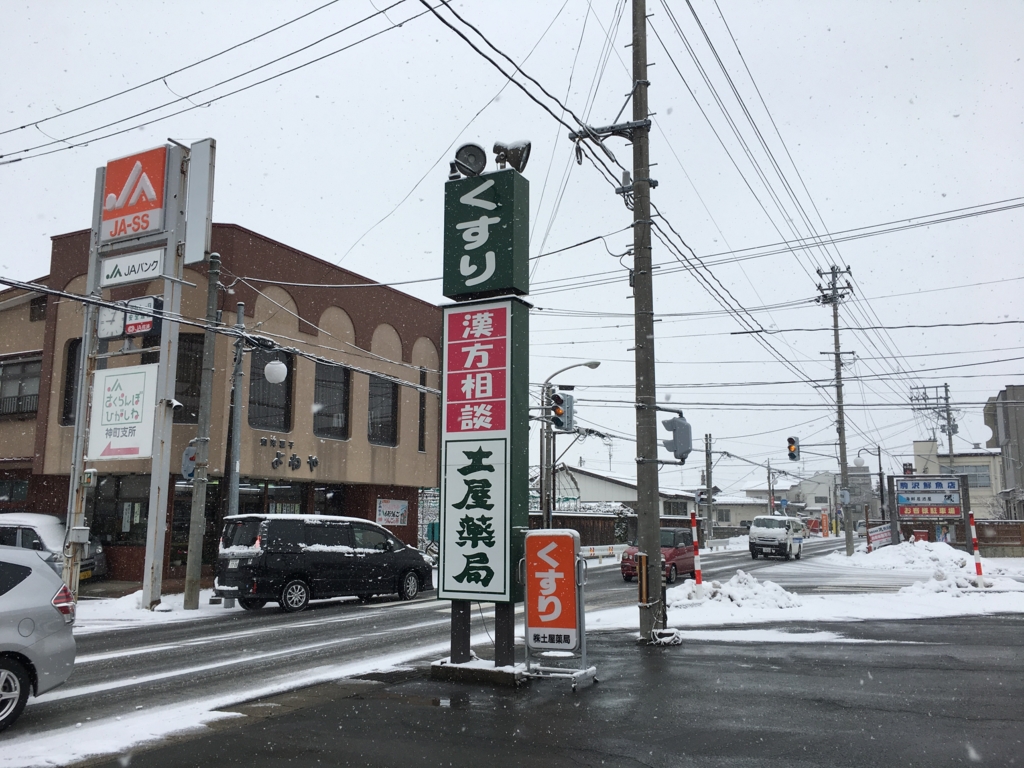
(486, 236)
(392, 512)
(484, 451)
(122, 412)
(138, 267)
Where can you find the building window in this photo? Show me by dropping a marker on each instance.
(19, 386)
(270, 405)
(37, 309)
(421, 444)
(977, 474)
(13, 490)
(188, 378)
(676, 508)
(331, 400)
(723, 515)
(70, 402)
(383, 422)
(821, 499)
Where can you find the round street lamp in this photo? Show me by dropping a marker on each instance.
(275, 372)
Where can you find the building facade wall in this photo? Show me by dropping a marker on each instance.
(985, 501)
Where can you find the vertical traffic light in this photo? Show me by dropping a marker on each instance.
(793, 448)
(682, 438)
(563, 412)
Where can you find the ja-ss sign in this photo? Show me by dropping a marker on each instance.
(133, 195)
(486, 236)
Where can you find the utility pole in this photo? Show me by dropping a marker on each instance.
(648, 512)
(881, 487)
(771, 493)
(950, 429)
(236, 414)
(542, 480)
(708, 486)
(197, 523)
(833, 294)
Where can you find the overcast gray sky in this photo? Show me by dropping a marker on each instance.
(873, 112)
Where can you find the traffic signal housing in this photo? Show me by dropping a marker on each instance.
(793, 448)
(682, 437)
(563, 412)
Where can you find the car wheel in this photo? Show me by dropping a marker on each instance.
(626, 577)
(753, 554)
(294, 596)
(789, 552)
(14, 686)
(672, 575)
(251, 603)
(410, 586)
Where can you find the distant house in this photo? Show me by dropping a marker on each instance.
(983, 468)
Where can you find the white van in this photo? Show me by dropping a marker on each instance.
(777, 535)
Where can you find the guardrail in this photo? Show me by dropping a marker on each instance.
(601, 552)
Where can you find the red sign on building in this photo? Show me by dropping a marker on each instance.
(133, 195)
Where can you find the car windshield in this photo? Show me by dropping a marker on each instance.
(667, 537)
(240, 533)
(768, 522)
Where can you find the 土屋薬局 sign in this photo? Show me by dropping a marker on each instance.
(480, 460)
(392, 512)
(122, 413)
(134, 195)
(486, 236)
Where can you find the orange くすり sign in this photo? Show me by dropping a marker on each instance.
(133, 195)
(552, 611)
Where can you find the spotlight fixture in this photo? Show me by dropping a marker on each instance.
(515, 153)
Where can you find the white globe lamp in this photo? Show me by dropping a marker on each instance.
(275, 372)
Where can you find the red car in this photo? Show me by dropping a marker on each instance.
(676, 550)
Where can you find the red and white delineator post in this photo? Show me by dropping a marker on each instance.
(696, 556)
(974, 544)
(554, 575)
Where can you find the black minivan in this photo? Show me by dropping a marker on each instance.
(292, 559)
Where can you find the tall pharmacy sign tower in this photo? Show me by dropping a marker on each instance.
(485, 409)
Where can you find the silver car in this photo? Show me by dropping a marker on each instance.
(37, 611)
(45, 534)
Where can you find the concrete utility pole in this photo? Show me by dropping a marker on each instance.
(648, 512)
(881, 486)
(950, 429)
(771, 493)
(708, 487)
(236, 414)
(197, 523)
(833, 294)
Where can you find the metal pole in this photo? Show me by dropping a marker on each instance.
(197, 523)
(709, 486)
(881, 487)
(542, 472)
(771, 501)
(163, 423)
(648, 511)
(236, 415)
(76, 497)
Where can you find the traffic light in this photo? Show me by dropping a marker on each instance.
(793, 448)
(908, 469)
(563, 412)
(682, 438)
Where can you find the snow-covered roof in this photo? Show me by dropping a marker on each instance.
(629, 482)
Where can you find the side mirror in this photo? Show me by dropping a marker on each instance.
(37, 546)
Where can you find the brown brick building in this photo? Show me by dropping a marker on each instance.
(371, 439)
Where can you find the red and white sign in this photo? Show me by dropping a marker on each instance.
(133, 195)
(552, 595)
(476, 365)
(136, 324)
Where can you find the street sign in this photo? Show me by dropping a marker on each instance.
(122, 412)
(879, 536)
(188, 463)
(552, 594)
(928, 496)
(484, 450)
(486, 236)
(133, 195)
(137, 267)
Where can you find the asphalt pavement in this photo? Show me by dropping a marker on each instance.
(910, 693)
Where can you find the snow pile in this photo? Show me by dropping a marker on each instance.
(742, 591)
(909, 555)
(960, 585)
(117, 613)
